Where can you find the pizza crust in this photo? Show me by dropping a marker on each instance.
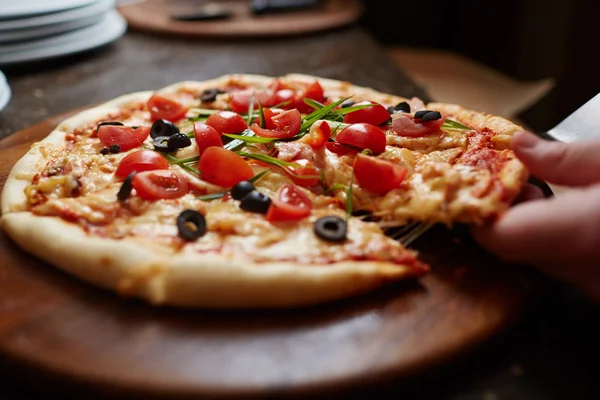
(190, 280)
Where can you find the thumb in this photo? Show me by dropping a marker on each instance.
(572, 164)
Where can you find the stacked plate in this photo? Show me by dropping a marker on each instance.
(33, 30)
(4, 91)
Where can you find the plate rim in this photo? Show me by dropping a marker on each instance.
(20, 10)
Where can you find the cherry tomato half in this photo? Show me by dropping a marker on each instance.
(374, 115)
(240, 101)
(405, 125)
(139, 161)
(363, 136)
(161, 107)
(159, 184)
(304, 173)
(223, 167)
(378, 176)
(318, 135)
(206, 136)
(227, 122)
(289, 204)
(125, 137)
(287, 125)
(269, 113)
(314, 92)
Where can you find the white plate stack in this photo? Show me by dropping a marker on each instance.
(4, 91)
(33, 30)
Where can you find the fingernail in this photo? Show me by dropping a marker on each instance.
(524, 140)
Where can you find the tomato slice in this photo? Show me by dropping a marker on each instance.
(287, 125)
(304, 173)
(159, 184)
(285, 97)
(139, 161)
(240, 101)
(375, 115)
(289, 204)
(223, 167)
(269, 113)
(227, 122)
(378, 176)
(206, 136)
(125, 137)
(405, 125)
(164, 108)
(340, 149)
(319, 134)
(363, 136)
(314, 92)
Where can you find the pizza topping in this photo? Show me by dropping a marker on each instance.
(206, 136)
(162, 127)
(378, 176)
(126, 187)
(191, 225)
(347, 103)
(426, 115)
(159, 184)
(241, 189)
(210, 95)
(318, 135)
(126, 137)
(361, 136)
(224, 168)
(139, 161)
(406, 125)
(256, 202)
(161, 107)
(304, 173)
(287, 124)
(110, 123)
(179, 141)
(331, 228)
(375, 114)
(402, 107)
(312, 92)
(227, 122)
(104, 151)
(289, 204)
(114, 148)
(241, 101)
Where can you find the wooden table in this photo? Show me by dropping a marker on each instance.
(551, 354)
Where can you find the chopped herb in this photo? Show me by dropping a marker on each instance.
(237, 144)
(250, 139)
(262, 121)
(251, 110)
(450, 124)
(349, 198)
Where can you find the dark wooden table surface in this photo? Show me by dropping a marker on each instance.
(550, 354)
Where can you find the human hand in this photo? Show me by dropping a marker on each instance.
(559, 235)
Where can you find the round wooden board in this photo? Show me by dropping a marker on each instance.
(54, 325)
(155, 16)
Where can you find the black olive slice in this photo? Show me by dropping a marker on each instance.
(400, 107)
(126, 187)
(347, 103)
(179, 141)
(431, 116)
(255, 202)
(162, 127)
(161, 143)
(391, 110)
(113, 123)
(331, 228)
(421, 113)
(104, 151)
(191, 225)
(241, 189)
(209, 95)
(114, 148)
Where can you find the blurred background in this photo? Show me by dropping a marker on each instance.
(544, 50)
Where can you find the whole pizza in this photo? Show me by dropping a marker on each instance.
(249, 191)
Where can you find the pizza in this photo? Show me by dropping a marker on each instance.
(248, 191)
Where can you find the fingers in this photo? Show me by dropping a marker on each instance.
(573, 164)
(555, 230)
(528, 193)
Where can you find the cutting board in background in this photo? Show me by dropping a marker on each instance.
(79, 336)
(154, 15)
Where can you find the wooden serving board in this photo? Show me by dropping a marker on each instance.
(155, 16)
(81, 337)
